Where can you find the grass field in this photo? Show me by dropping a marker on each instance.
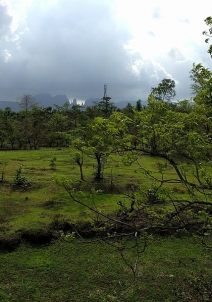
(170, 269)
(37, 205)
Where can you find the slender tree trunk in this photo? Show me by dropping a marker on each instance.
(99, 167)
(81, 173)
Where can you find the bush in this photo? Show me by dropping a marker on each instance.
(20, 180)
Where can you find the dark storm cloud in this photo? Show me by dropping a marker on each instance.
(74, 47)
(74, 43)
(5, 44)
(5, 22)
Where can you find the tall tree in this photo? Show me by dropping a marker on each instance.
(202, 84)
(26, 102)
(96, 141)
(165, 91)
(138, 106)
(99, 143)
(106, 106)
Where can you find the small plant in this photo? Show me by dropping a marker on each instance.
(20, 180)
(52, 163)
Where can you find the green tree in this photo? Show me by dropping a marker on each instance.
(181, 141)
(99, 143)
(128, 110)
(58, 127)
(149, 121)
(75, 114)
(39, 129)
(208, 33)
(165, 91)
(26, 102)
(184, 153)
(96, 141)
(106, 106)
(185, 106)
(202, 84)
(92, 112)
(8, 127)
(138, 106)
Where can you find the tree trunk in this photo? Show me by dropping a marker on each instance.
(99, 167)
(81, 172)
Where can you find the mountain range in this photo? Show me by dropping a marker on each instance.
(47, 100)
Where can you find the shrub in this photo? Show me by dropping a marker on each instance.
(20, 180)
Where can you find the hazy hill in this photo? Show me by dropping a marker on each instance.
(91, 102)
(43, 99)
(47, 100)
(13, 105)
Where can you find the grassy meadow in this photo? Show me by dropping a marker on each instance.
(76, 269)
(171, 269)
(38, 205)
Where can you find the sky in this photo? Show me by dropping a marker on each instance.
(74, 47)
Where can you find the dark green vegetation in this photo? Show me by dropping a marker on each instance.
(170, 270)
(136, 182)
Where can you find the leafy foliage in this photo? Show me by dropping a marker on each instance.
(208, 22)
(20, 180)
(165, 91)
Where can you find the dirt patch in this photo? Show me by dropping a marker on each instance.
(9, 244)
(37, 237)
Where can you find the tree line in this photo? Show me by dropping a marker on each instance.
(33, 126)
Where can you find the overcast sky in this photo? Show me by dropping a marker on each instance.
(74, 47)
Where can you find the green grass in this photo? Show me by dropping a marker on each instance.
(171, 269)
(26, 208)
